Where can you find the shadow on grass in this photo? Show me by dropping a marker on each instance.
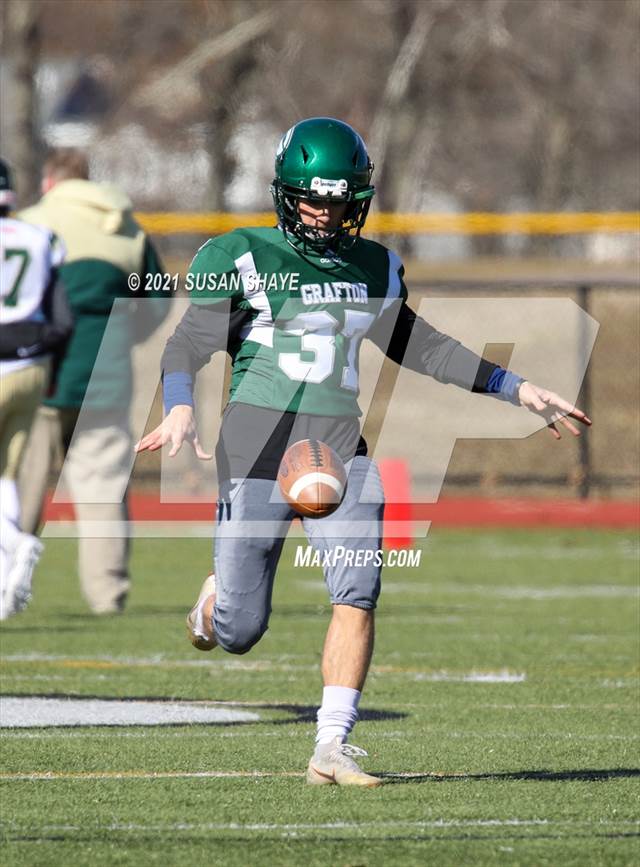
(307, 713)
(585, 774)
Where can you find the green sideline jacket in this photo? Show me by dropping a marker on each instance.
(104, 245)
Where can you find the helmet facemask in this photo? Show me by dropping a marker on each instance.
(7, 191)
(342, 237)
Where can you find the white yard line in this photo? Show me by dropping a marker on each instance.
(141, 775)
(534, 594)
(503, 676)
(326, 826)
(87, 776)
(541, 735)
(112, 733)
(626, 549)
(508, 591)
(518, 707)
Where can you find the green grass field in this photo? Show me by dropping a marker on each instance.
(502, 706)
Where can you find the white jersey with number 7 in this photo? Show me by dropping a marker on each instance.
(27, 255)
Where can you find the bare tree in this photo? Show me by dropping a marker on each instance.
(21, 46)
(398, 82)
(182, 80)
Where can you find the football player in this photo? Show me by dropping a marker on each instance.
(35, 321)
(291, 305)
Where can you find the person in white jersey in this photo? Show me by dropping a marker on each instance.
(35, 323)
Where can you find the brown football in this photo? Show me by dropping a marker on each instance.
(312, 478)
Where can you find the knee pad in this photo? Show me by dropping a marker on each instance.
(237, 629)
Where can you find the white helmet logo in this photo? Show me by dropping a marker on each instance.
(284, 141)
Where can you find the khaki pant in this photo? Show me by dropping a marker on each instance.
(96, 463)
(20, 394)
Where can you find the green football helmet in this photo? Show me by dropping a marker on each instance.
(322, 160)
(7, 191)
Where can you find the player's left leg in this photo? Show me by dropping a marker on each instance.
(349, 541)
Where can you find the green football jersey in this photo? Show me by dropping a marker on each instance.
(308, 313)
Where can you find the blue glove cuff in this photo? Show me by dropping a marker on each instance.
(177, 389)
(510, 387)
(505, 385)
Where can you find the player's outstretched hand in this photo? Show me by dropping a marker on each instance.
(178, 426)
(551, 407)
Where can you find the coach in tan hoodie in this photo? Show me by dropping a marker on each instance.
(104, 246)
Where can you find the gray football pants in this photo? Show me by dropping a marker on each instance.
(252, 523)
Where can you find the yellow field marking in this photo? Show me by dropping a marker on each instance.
(234, 665)
(100, 663)
(276, 666)
(479, 223)
(88, 663)
(261, 665)
(63, 662)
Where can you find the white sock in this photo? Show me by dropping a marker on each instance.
(338, 713)
(9, 522)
